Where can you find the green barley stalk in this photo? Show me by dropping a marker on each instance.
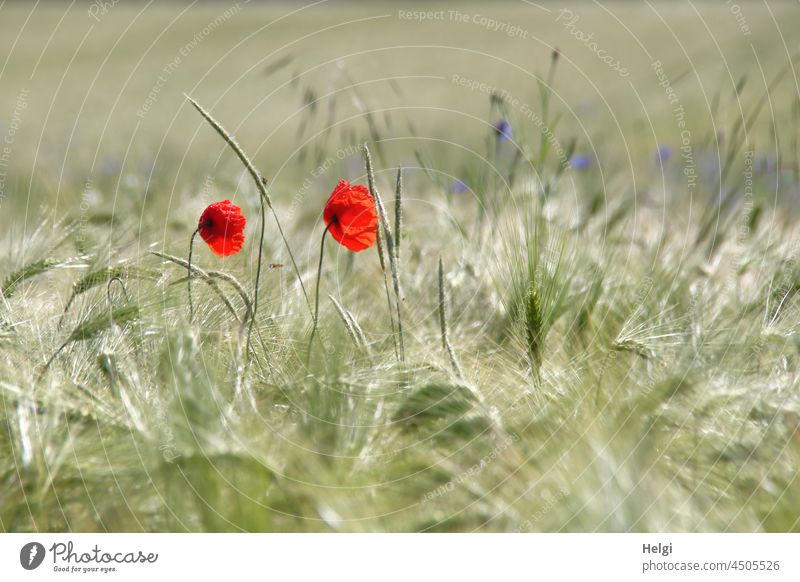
(443, 324)
(398, 215)
(359, 332)
(92, 327)
(534, 329)
(346, 320)
(97, 277)
(265, 200)
(27, 272)
(394, 251)
(387, 234)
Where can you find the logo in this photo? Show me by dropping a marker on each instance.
(31, 555)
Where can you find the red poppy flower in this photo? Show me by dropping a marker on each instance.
(351, 216)
(222, 227)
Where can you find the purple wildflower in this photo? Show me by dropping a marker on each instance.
(503, 130)
(458, 187)
(663, 153)
(580, 162)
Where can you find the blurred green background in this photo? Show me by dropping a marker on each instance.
(106, 81)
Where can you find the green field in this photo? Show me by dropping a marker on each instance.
(611, 345)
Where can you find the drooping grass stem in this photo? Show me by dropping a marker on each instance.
(121, 283)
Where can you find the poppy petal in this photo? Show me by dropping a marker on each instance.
(351, 216)
(222, 227)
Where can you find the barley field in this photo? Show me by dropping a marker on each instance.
(580, 313)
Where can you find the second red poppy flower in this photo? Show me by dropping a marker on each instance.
(351, 217)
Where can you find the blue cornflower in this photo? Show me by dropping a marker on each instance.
(503, 130)
(458, 187)
(580, 162)
(663, 153)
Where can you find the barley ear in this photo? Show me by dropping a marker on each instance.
(443, 324)
(383, 228)
(346, 320)
(398, 215)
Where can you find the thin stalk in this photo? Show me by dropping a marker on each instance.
(545, 91)
(66, 309)
(189, 275)
(121, 284)
(391, 317)
(359, 332)
(395, 260)
(373, 189)
(50, 361)
(316, 298)
(398, 214)
(258, 272)
(387, 235)
(265, 199)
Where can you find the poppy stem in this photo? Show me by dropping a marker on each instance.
(189, 276)
(316, 299)
(258, 273)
